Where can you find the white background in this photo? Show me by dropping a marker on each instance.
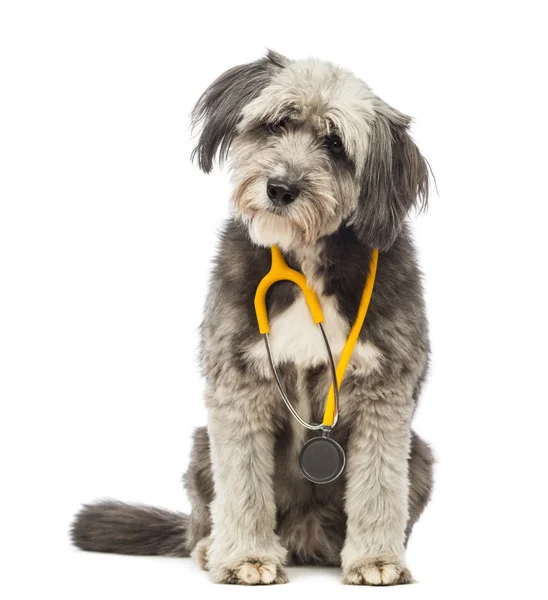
(106, 238)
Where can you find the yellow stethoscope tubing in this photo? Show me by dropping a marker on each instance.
(280, 271)
(330, 407)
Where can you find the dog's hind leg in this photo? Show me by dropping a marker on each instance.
(421, 462)
(198, 482)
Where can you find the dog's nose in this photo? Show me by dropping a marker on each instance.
(281, 191)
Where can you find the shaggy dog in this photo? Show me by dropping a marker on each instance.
(327, 171)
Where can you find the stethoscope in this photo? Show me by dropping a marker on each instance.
(321, 459)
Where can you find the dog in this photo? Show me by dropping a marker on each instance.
(327, 171)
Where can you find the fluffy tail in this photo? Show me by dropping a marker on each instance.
(111, 526)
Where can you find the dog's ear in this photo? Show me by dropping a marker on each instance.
(220, 107)
(394, 180)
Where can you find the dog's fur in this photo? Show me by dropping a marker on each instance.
(252, 510)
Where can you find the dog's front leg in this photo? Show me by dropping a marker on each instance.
(377, 491)
(244, 548)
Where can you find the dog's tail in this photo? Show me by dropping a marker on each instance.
(120, 528)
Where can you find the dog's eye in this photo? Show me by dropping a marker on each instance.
(334, 144)
(278, 126)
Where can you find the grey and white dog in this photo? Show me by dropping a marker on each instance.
(326, 170)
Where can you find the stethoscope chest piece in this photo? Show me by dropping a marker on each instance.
(322, 460)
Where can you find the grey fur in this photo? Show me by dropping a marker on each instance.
(121, 528)
(220, 106)
(395, 179)
(252, 510)
(421, 464)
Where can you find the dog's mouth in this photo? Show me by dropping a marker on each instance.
(249, 206)
(250, 216)
(303, 221)
(280, 211)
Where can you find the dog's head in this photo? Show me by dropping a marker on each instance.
(310, 147)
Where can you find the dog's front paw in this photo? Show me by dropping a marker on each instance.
(251, 571)
(377, 570)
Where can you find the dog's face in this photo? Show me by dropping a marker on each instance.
(310, 147)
